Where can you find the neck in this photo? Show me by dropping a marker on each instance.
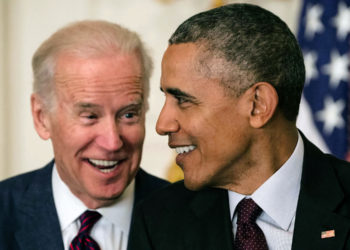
(270, 149)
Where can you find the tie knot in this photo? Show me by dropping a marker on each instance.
(247, 211)
(88, 220)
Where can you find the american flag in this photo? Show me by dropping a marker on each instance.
(327, 234)
(324, 36)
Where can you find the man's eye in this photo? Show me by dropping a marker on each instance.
(89, 116)
(129, 115)
(180, 99)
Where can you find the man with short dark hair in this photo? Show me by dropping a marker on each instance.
(233, 78)
(91, 81)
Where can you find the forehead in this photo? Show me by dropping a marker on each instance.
(194, 59)
(98, 75)
(180, 63)
(186, 63)
(183, 71)
(178, 55)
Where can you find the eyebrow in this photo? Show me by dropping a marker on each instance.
(138, 106)
(177, 93)
(85, 105)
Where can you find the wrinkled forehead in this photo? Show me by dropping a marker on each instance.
(108, 73)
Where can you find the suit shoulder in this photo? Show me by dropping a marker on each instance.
(319, 162)
(173, 196)
(342, 170)
(177, 188)
(11, 189)
(18, 181)
(146, 184)
(149, 181)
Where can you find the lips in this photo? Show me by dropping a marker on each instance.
(104, 166)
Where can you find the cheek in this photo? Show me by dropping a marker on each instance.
(202, 131)
(70, 140)
(79, 137)
(63, 127)
(133, 136)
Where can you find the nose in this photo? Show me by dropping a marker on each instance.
(109, 137)
(167, 122)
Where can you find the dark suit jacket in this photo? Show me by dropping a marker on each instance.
(178, 219)
(28, 217)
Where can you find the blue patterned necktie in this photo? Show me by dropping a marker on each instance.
(249, 236)
(83, 240)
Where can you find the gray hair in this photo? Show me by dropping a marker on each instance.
(244, 44)
(85, 39)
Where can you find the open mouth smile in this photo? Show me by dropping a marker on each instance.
(185, 149)
(103, 165)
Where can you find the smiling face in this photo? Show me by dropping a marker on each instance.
(208, 128)
(96, 126)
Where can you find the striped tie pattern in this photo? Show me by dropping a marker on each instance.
(83, 240)
(249, 236)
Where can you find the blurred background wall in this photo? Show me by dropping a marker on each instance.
(25, 24)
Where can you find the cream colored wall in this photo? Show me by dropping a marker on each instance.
(2, 93)
(27, 23)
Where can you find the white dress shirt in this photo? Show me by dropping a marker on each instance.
(110, 232)
(278, 198)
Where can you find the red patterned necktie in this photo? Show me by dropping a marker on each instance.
(249, 236)
(83, 240)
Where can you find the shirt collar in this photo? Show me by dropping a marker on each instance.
(278, 196)
(69, 207)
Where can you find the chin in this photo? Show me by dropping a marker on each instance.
(193, 185)
(104, 200)
(110, 193)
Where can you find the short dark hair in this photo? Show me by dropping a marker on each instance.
(256, 46)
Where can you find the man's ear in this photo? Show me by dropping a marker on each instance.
(264, 99)
(40, 117)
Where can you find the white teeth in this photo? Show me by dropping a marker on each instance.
(185, 149)
(107, 170)
(103, 163)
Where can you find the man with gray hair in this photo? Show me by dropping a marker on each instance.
(233, 79)
(91, 84)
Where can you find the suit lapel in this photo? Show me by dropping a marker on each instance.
(320, 195)
(311, 221)
(213, 229)
(38, 221)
